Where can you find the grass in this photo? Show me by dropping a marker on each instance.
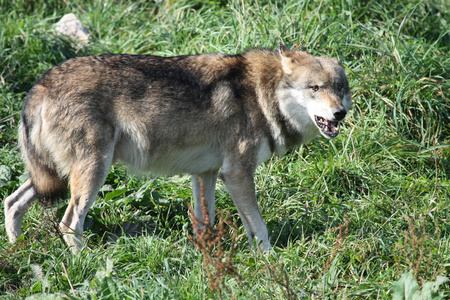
(347, 217)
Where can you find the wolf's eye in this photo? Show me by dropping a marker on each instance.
(340, 87)
(315, 88)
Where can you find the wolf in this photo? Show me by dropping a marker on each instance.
(208, 115)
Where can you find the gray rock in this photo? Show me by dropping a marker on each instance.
(70, 25)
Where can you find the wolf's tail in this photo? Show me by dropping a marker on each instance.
(43, 172)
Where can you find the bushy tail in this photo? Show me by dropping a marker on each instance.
(48, 184)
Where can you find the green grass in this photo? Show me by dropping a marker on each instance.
(347, 217)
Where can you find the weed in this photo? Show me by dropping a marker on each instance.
(419, 247)
(209, 240)
(340, 241)
(408, 288)
(278, 274)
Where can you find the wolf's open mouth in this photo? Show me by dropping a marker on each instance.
(328, 128)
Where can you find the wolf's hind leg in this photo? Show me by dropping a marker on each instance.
(86, 178)
(16, 205)
(208, 181)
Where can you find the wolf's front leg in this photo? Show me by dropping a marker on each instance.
(241, 187)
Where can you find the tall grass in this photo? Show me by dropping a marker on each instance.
(347, 217)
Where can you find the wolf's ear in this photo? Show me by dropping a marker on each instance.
(287, 61)
(282, 49)
(336, 61)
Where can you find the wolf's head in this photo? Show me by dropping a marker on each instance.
(314, 93)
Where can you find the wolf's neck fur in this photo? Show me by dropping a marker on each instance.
(266, 71)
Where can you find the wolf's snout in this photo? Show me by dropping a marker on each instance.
(339, 113)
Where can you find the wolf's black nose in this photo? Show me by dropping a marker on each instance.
(339, 113)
